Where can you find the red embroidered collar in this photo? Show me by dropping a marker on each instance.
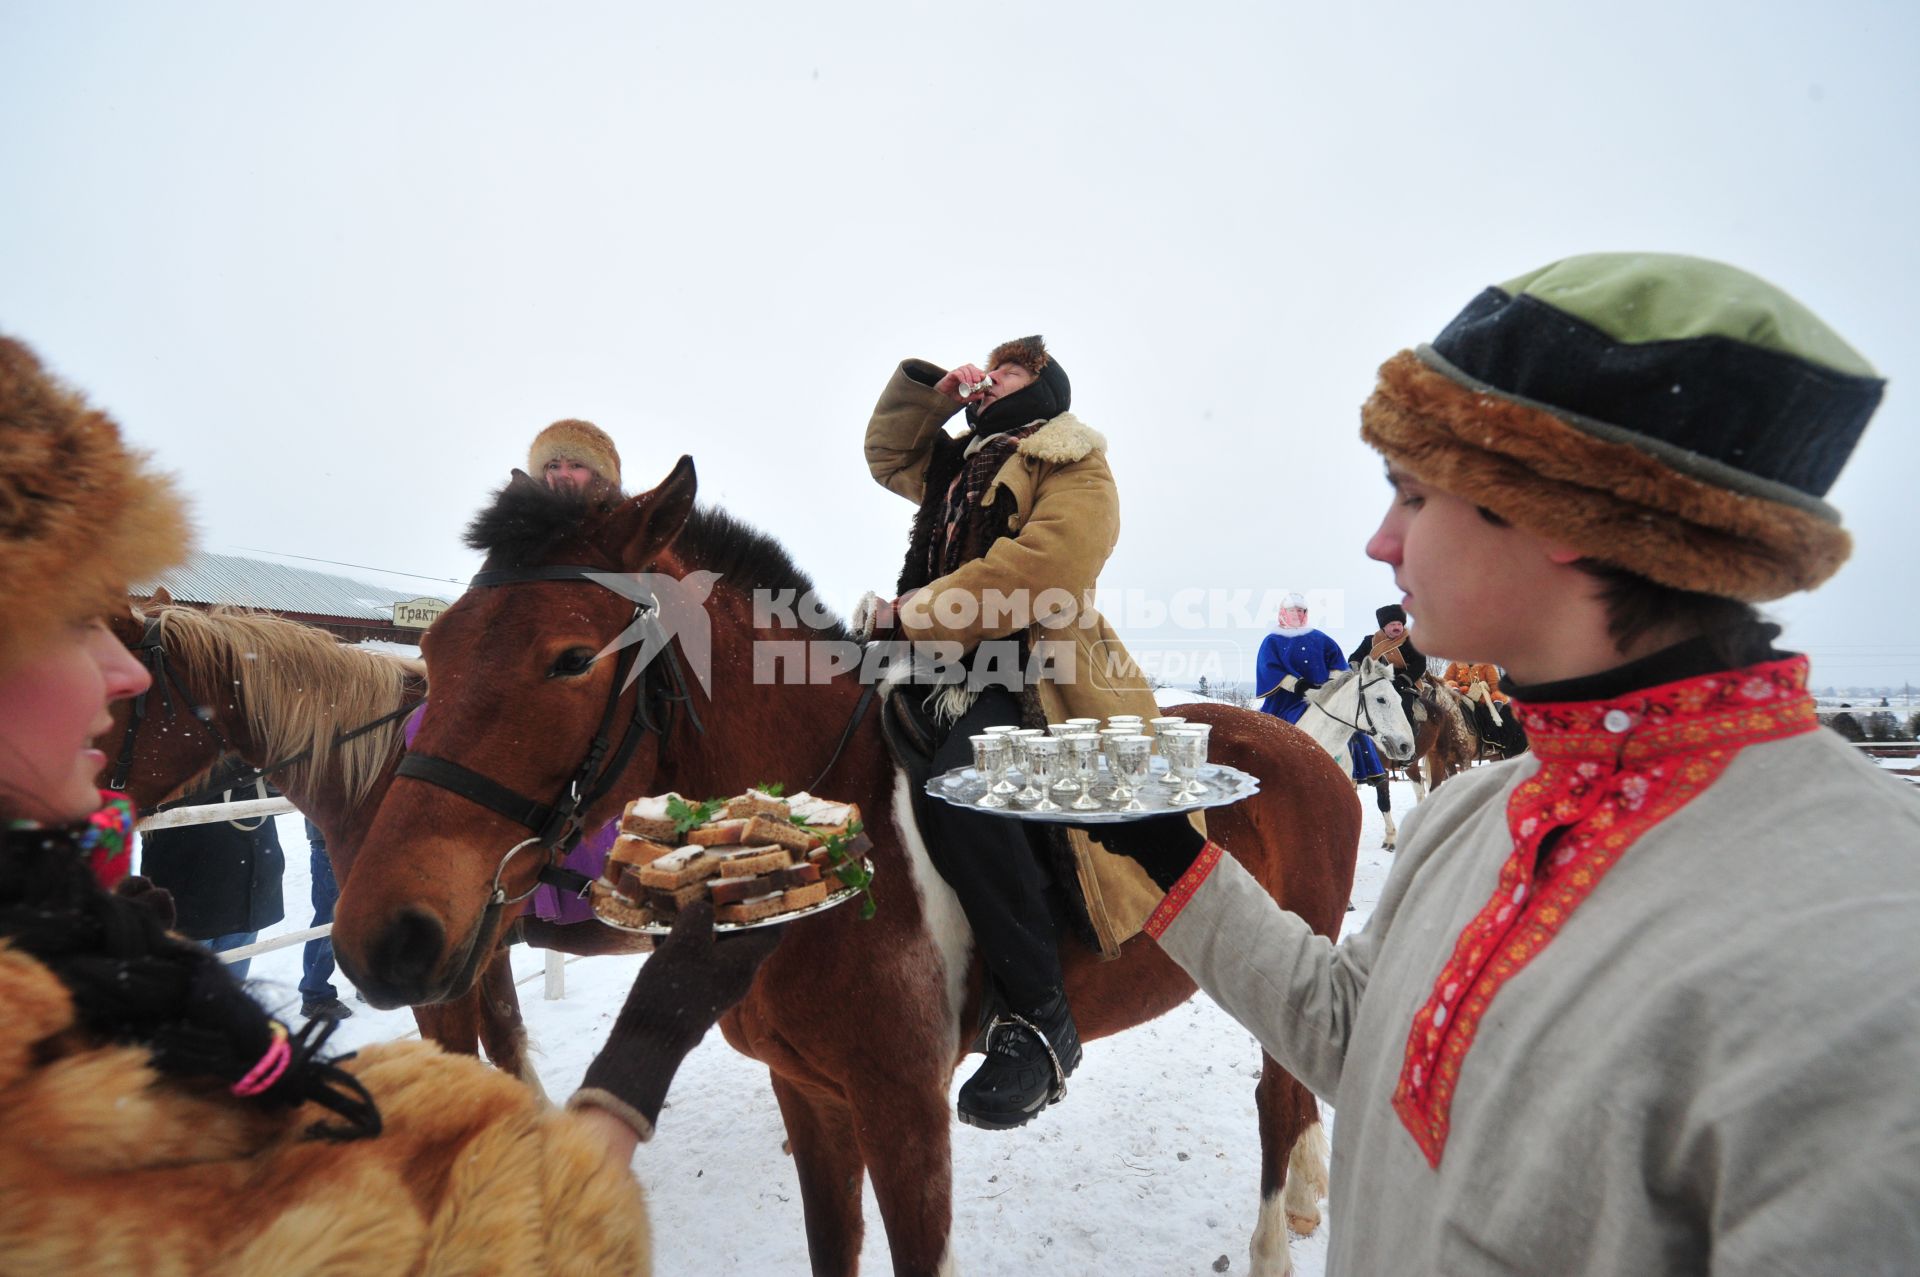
(1609, 771)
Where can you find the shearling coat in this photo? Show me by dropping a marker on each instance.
(105, 1167)
(1052, 518)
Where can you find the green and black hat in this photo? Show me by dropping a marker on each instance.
(1672, 416)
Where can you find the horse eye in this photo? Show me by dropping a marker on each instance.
(572, 663)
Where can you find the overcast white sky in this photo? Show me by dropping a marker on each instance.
(337, 264)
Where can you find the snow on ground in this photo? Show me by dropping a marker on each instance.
(1150, 1165)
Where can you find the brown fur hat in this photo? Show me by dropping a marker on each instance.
(1674, 417)
(574, 440)
(1029, 352)
(81, 514)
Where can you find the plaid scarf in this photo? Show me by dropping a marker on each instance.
(948, 548)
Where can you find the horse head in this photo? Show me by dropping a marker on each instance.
(542, 718)
(1379, 711)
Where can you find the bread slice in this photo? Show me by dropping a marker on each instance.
(749, 861)
(630, 850)
(755, 803)
(773, 904)
(663, 901)
(719, 833)
(731, 891)
(678, 868)
(647, 818)
(822, 816)
(763, 829)
(617, 909)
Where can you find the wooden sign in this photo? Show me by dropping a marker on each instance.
(418, 614)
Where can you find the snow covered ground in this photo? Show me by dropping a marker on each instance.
(1150, 1165)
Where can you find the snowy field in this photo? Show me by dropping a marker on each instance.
(1150, 1165)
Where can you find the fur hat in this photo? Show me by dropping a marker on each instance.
(1389, 612)
(1671, 416)
(81, 514)
(573, 440)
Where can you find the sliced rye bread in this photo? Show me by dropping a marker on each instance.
(630, 850)
(647, 818)
(618, 909)
(664, 900)
(731, 891)
(678, 868)
(754, 803)
(719, 833)
(763, 829)
(773, 904)
(750, 861)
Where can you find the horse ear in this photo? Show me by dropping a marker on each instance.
(651, 521)
(160, 597)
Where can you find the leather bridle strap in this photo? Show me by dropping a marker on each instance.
(152, 651)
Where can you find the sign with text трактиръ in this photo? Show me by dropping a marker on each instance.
(418, 614)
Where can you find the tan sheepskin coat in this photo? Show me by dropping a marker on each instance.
(1065, 524)
(107, 1168)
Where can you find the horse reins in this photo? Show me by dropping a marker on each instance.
(558, 825)
(1369, 729)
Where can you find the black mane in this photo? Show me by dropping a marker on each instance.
(527, 520)
(749, 559)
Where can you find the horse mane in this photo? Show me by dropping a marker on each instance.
(281, 668)
(749, 559)
(527, 521)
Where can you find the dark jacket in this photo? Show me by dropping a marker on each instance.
(224, 879)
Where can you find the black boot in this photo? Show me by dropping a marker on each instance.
(1028, 1059)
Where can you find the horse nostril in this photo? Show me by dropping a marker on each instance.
(408, 951)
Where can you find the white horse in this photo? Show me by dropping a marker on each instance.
(1361, 699)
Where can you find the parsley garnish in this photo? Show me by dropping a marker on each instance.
(848, 870)
(688, 816)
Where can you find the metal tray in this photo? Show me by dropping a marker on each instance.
(835, 898)
(1226, 785)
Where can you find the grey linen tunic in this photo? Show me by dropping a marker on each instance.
(1714, 1067)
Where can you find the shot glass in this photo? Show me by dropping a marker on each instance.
(1043, 757)
(1134, 755)
(1083, 757)
(1023, 739)
(990, 755)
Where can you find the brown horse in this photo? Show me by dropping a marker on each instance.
(1443, 737)
(269, 690)
(861, 1022)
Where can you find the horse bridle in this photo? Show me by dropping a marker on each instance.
(1365, 713)
(558, 825)
(152, 651)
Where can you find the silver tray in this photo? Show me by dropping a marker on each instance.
(1226, 785)
(835, 898)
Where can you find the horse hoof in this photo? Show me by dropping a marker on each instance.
(1302, 1225)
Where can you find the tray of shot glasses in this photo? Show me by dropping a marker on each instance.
(1093, 772)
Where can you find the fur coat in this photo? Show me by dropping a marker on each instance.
(1051, 518)
(107, 1168)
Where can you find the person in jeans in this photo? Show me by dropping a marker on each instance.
(318, 997)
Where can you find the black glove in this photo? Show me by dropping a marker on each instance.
(155, 900)
(1165, 846)
(684, 987)
(1302, 684)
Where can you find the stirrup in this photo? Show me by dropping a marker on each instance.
(1059, 1074)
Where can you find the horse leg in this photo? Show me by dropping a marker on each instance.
(1293, 1167)
(820, 1135)
(452, 1026)
(907, 1142)
(503, 1032)
(1383, 798)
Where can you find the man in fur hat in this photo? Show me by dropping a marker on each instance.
(1392, 644)
(1016, 516)
(1646, 1000)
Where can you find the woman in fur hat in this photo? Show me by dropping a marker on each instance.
(156, 1118)
(1646, 1000)
(575, 453)
(1016, 517)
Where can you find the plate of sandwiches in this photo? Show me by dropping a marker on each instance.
(759, 858)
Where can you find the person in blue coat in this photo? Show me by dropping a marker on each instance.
(1296, 658)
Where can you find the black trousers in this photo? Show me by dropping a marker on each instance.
(995, 870)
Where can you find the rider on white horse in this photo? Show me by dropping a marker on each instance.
(1294, 659)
